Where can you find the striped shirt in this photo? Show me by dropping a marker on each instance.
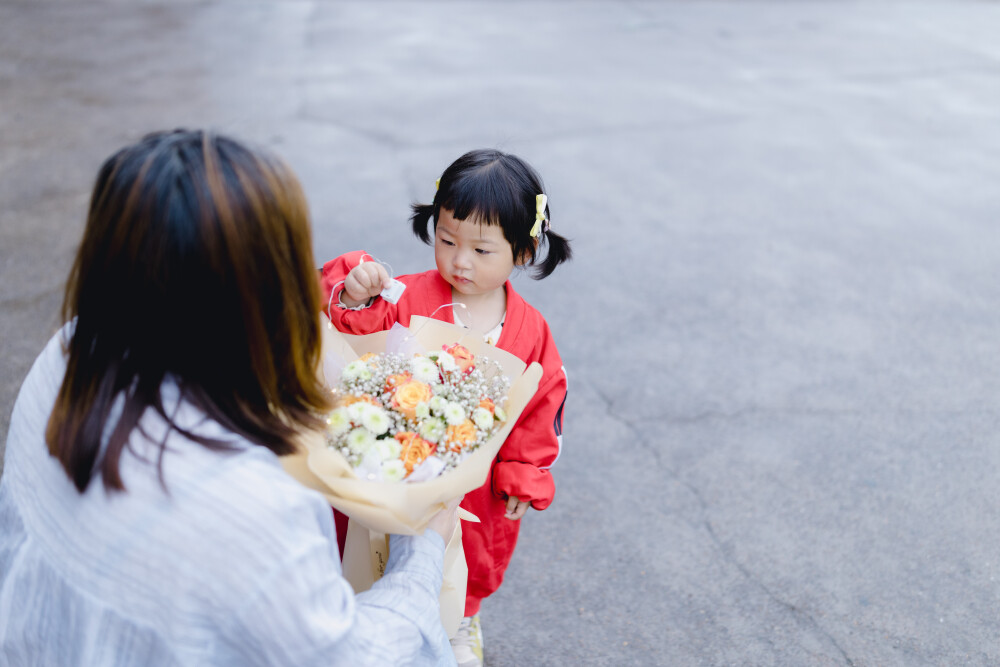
(234, 563)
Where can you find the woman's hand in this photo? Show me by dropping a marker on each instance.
(443, 523)
(364, 281)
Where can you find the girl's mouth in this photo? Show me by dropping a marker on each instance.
(462, 281)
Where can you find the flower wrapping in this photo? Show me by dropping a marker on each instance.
(378, 508)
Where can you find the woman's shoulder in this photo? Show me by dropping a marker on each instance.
(247, 479)
(35, 399)
(50, 364)
(235, 514)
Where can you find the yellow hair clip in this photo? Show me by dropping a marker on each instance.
(540, 219)
(437, 184)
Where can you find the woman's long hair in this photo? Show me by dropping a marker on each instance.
(195, 265)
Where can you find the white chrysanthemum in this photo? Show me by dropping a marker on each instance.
(499, 412)
(423, 410)
(453, 413)
(337, 422)
(357, 370)
(375, 420)
(393, 471)
(432, 430)
(360, 441)
(437, 404)
(447, 362)
(482, 418)
(424, 369)
(356, 411)
(387, 448)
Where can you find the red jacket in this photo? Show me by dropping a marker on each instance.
(522, 465)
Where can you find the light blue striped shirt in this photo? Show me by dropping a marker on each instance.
(235, 564)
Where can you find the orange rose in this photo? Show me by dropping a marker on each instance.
(487, 404)
(466, 360)
(460, 436)
(368, 356)
(394, 381)
(351, 399)
(414, 450)
(408, 395)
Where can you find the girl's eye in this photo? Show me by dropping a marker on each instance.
(446, 242)
(482, 252)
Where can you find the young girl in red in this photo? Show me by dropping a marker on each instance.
(489, 215)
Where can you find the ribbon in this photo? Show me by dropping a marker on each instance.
(540, 219)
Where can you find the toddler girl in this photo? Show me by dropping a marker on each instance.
(489, 215)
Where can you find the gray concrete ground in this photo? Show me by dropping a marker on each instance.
(780, 326)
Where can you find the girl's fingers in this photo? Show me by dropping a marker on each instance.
(376, 277)
(355, 286)
(363, 280)
(379, 277)
(516, 508)
(366, 280)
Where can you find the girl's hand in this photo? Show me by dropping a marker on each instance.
(515, 508)
(364, 281)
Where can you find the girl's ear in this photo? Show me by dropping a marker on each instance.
(525, 255)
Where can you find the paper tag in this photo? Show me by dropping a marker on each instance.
(393, 291)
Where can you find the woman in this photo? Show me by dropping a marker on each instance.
(144, 516)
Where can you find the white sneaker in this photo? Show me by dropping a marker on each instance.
(468, 643)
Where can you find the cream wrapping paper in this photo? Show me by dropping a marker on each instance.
(377, 509)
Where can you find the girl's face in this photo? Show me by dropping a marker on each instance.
(475, 259)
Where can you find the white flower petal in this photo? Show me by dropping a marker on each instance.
(454, 414)
(387, 449)
(482, 418)
(424, 369)
(337, 423)
(432, 430)
(447, 362)
(393, 471)
(360, 441)
(437, 404)
(375, 420)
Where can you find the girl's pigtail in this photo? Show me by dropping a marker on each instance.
(422, 214)
(558, 252)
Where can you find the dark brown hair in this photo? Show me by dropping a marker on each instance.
(195, 267)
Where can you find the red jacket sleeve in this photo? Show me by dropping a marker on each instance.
(522, 467)
(381, 315)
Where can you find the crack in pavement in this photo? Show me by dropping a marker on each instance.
(637, 435)
(727, 556)
(798, 613)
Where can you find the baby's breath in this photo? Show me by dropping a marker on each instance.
(455, 391)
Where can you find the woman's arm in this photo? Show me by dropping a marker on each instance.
(307, 614)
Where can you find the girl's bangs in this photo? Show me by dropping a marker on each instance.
(479, 199)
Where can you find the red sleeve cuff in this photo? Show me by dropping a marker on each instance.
(527, 482)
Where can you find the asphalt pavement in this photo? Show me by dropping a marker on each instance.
(780, 326)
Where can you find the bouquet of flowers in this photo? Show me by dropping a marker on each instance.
(421, 414)
(412, 417)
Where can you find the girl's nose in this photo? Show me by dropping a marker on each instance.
(462, 260)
